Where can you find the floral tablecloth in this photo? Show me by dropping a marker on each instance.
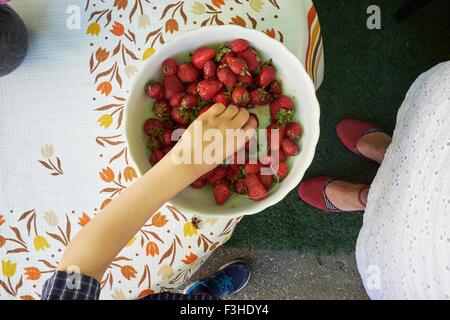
(63, 153)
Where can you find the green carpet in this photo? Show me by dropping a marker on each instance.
(367, 74)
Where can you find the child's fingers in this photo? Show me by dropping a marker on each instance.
(230, 112)
(251, 124)
(241, 118)
(216, 109)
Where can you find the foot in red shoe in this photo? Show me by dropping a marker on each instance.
(331, 195)
(363, 138)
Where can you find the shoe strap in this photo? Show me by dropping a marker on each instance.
(330, 206)
(360, 195)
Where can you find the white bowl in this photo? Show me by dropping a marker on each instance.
(296, 82)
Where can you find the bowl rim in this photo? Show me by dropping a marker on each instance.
(314, 135)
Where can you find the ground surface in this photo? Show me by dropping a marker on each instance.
(367, 74)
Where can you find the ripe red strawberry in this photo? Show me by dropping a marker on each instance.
(218, 174)
(222, 98)
(175, 102)
(166, 149)
(237, 65)
(251, 58)
(240, 96)
(166, 138)
(256, 190)
(289, 147)
(208, 89)
(294, 130)
(266, 76)
(281, 109)
(260, 97)
(168, 125)
(225, 56)
(172, 85)
(156, 156)
(226, 76)
(222, 192)
(209, 69)
(238, 45)
(153, 127)
(154, 142)
(270, 130)
(169, 67)
(245, 80)
(161, 108)
(250, 168)
(283, 171)
(180, 116)
(207, 175)
(276, 88)
(198, 184)
(154, 90)
(233, 172)
(192, 88)
(187, 73)
(189, 101)
(240, 187)
(201, 55)
(266, 180)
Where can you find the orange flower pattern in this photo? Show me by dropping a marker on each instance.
(160, 256)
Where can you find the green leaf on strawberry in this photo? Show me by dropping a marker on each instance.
(284, 116)
(221, 50)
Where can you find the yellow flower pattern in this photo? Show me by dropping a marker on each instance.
(93, 29)
(8, 268)
(40, 243)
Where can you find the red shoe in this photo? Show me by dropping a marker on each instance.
(312, 191)
(350, 131)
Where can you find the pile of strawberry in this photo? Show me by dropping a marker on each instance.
(230, 74)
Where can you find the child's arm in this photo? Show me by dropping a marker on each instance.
(93, 249)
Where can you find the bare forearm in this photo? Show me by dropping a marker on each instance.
(94, 247)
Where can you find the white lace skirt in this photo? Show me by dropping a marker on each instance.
(403, 249)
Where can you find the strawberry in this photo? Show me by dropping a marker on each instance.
(245, 80)
(189, 101)
(225, 56)
(276, 88)
(281, 109)
(166, 149)
(207, 175)
(219, 173)
(233, 172)
(180, 115)
(237, 65)
(166, 138)
(238, 45)
(161, 108)
(270, 130)
(175, 102)
(168, 125)
(283, 171)
(198, 184)
(156, 156)
(260, 97)
(154, 90)
(240, 187)
(222, 192)
(293, 130)
(192, 88)
(169, 67)
(187, 73)
(154, 142)
(251, 58)
(250, 168)
(266, 76)
(266, 180)
(172, 85)
(208, 89)
(256, 190)
(153, 127)
(240, 96)
(222, 98)
(209, 69)
(201, 55)
(289, 147)
(226, 76)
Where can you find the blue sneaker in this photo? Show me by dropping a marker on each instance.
(229, 279)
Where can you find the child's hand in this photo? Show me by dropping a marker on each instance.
(214, 122)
